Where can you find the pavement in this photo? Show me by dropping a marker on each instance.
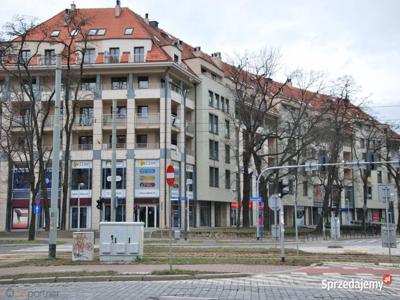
(259, 286)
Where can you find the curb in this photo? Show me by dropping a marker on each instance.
(121, 278)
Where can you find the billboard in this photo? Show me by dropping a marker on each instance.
(147, 178)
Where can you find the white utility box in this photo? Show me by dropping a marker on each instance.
(121, 241)
(82, 246)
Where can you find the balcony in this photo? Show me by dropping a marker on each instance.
(190, 128)
(84, 122)
(120, 120)
(49, 123)
(147, 146)
(153, 91)
(82, 147)
(113, 92)
(109, 146)
(147, 120)
(175, 122)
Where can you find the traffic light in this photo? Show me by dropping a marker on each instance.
(283, 188)
(99, 204)
(371, 158)
(323, 160)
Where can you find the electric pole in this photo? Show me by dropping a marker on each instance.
(113, 161)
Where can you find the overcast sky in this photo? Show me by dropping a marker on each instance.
(341, 37)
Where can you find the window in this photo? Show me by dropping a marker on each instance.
(25, 56)
(101, 31)
(362, 143)
(88, 84)
(83, 218)
(213, 123)
(55, 33)
(305, 188)
(213, 149)
(118, 83)
(81, 176)
(122, 112)
(143, 82)
(227, 179)
(210, 98)
(74, 32)
(227, 129)
(90, 56)
(121, 171)
(113, 58)
(227, 154)
(138, 54)
(121, 139)
(379, 176)
(216, 101)
(141, 140)
(176, 58)
(143, 111)
(222, 103)
(86, 116)
(214, 177)
(227, 105)
(21, 179)
(128, 31)
(92, 32)
(85, 141)
(49, 57)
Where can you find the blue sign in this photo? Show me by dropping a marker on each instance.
(344, 209)
(116, 201)
(183, 198)
(36, 209)
(255, 199)
(174, 198)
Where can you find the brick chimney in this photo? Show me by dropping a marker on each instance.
(118, 9)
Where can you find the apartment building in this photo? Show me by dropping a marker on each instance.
(173, 106)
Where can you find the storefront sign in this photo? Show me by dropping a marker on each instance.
(81, 193)
(118, 193)
(147, 178)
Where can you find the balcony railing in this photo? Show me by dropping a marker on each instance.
(175, 121)
(84, 121)
(46, 60)
(109, 146)
(147, 146)
(82, 147)
(120, 120)
(147, 119)
(190, 128)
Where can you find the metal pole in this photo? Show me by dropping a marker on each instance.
(55, 163)
(282, 230)
(186, 203)
(275, 225)
(170, 229)
(79, 207)
(388, 224)
(257, 220)
(113, 161)
(295, 220)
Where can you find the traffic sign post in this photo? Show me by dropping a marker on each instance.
(170, 179)
(387, 193)
(256, 201)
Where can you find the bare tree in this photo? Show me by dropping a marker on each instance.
(26, 110)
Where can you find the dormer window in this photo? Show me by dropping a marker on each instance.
(128, 31)
(55, 33)
(100, 31)
(74, 32)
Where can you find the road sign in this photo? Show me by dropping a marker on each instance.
(36, 209)
(387, 192)
(255, 199)
(274, 202)
(170, 175)
(385, 236)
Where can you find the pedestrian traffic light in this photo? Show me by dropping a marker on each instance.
(371, 157)
(322, 161)
(283, 188)
(99, 204)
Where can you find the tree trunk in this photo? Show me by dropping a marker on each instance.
(65, 181)
(32, 224)
(10, 166)
(246, 195)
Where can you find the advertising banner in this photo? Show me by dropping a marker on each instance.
(20, 218)
(147, 178)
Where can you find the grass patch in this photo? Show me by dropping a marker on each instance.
(20, 242)
(175, 272)
(59, 274)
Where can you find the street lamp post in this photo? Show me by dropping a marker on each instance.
(79, 204)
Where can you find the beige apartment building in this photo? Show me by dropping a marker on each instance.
(174, 107)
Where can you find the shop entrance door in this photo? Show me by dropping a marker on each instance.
(148, 215)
